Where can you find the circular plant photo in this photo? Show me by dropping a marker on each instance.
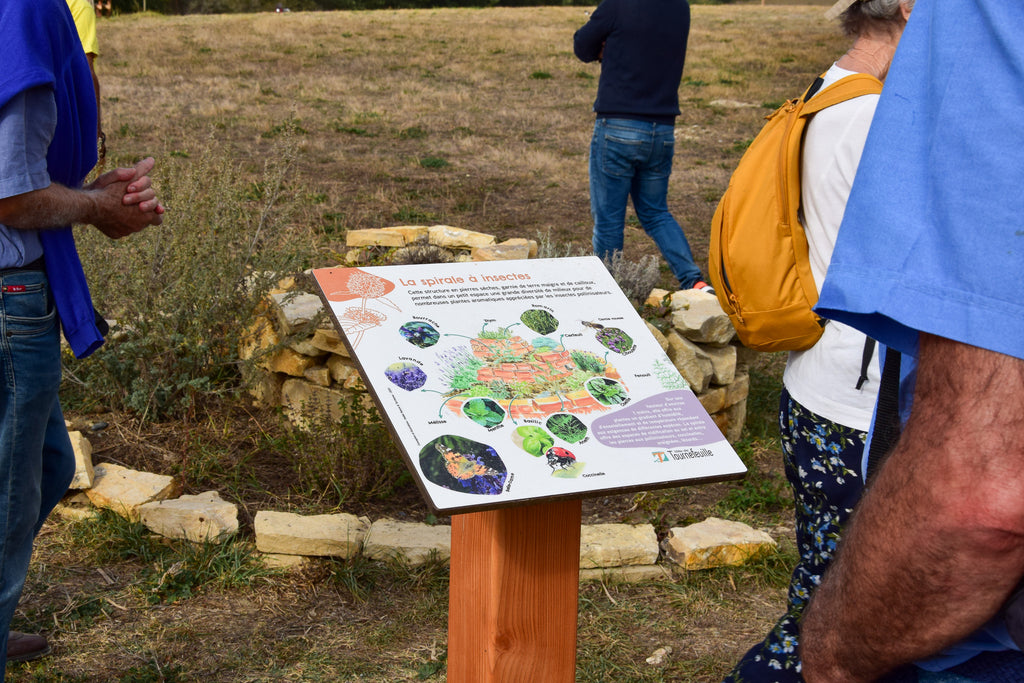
(408, 376)
(539, 320)
(484, 411)
(534, 440)
(567, 427)
(606, 391)
(463, 465)
(419, 334)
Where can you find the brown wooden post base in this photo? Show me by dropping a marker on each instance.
(513, 594)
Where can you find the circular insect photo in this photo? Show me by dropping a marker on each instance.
(463, 465)
(563, 463)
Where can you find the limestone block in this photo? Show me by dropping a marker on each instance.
(637, 573)
(318, 374)
(84, 474)
(658, 336)
(616, 545)
(305, 347)
(738, 390)
(657, 297)
(341, 369)
(329, 340)
(686, 298)
(289, 362)
(374, 237)
(264, 386)
(703, 319)
(75, 513)
(736, 417)
(500, 252)
(354, 383)
(199, 518)
(281, 561)
(305, 403)
(531, 244)
(723, 363)
(295, 309)
(715, 543)
(691, 361)
(458, 238)
(713, 399)
(409, 542)
(357, 257)
(123, 490)
(745, 357)
(258, 337)
(411, 233)
(287, 533)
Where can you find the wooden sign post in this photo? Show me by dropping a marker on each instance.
(513, 594)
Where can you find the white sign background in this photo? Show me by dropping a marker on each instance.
(512, 381)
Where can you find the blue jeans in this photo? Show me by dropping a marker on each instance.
(634, 159)
(36, 458)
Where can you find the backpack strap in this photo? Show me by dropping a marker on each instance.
(865, 361)
(887, 414)
(845, 88)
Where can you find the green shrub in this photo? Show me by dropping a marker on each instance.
(345, 457)
(182, 293)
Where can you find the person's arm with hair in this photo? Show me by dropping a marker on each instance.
(118, 203)
(936, 545)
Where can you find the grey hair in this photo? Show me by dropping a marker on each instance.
(867, 15)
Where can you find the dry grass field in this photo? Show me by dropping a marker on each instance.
(475, 118)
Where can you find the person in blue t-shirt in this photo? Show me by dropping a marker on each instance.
(930, 261)
(47, 147)
(641, 45)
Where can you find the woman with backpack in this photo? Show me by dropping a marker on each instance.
(830, 389)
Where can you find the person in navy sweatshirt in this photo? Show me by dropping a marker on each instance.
(641, 45)
(47, 147)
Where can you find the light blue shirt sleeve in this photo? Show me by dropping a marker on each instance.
(27, 122)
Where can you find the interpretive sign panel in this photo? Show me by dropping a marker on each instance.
(507, 382)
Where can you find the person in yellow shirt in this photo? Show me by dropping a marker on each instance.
(85, 21)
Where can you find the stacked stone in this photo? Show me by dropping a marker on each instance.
(625, 552)
(303, 366)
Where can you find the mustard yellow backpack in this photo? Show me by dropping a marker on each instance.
(758, 260)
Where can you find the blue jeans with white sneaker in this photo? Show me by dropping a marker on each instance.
(633, 159)
(37, 462)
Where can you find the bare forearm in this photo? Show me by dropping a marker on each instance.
(119, 203)
(52, 207)
(937, 543)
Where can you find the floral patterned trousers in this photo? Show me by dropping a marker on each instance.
(822, 460)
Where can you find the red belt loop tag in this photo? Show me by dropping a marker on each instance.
(14, 288)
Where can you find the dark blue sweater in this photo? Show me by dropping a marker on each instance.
(644, 43)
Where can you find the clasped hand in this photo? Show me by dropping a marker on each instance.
(126, 200)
